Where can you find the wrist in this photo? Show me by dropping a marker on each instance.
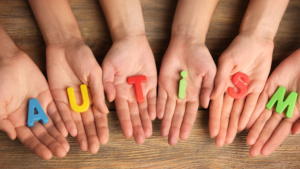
(62, 34)
(187, 33)
(127, 31)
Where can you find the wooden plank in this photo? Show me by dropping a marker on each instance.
(199, 151)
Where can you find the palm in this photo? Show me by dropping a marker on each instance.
(197, 61)
(269, 130)
(71, 65)
(252, 57)
(126, 58)
(21, 81)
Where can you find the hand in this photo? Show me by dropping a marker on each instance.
(70, 65)
(21, 80)
(270, 128)
(131, 56)
(179, 114)
(252, 56)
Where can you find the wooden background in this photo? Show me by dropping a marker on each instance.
(199, 151)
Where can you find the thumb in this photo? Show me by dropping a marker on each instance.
(108, 80)
(6, 125)
(95, 83)
(225, 67)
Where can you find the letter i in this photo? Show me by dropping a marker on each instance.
(182, 85)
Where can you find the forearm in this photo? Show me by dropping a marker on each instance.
(7, 45)
(56, 20)
(192, 19)
(124, 18)
(262, 18)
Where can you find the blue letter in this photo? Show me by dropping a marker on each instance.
(41, 115)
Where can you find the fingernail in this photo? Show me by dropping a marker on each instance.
(212, 137)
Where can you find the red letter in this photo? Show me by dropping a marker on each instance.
(137, 81)
(240, 85)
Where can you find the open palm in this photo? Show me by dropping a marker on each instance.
(179, 114)
(268, 128)
(70, 65)
(21, 80)
(131, 57)
(249, 55)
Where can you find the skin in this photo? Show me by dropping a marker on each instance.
(130, 55)
(268, 128)
(70, 63)
(186, 51)
(249, 53)
(21, 80)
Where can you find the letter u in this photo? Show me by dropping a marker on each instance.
(85, 98)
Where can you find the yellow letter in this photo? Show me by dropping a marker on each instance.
(85, 97)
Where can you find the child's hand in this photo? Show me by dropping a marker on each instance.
(70, 65)
(131, 56)
(271, 128)
(21, 80)
(179, 114)
(252, 56)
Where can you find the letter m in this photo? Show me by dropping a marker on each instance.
(281, 105)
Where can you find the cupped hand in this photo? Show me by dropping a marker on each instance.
(251, 55)
(21, 80)
(271, 128)
(131, 56)
(70, 65)
(179, 114)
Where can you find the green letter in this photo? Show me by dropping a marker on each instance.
(281, 105)
(182, 85)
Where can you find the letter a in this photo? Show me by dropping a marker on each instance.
(40, 116)
(182, 85)
(281, 105)
(85, 97)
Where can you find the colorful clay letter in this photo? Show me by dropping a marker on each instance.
(281, 105)
(137, 81)
(182, 85)
(240, 85)
(85, 98)
(40, 116)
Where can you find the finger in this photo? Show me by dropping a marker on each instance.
(258, 127)
(225, 67)
(152, 103)
(169, 112)
(146, 121)
(296, 128)
(6, 125)
(30, 141)
(124, 116)
(226, 109)
(65, 113)
(265, 134)
(260, 106)
(234, 120)
(81, 135)
(215, 116)
(277, 138)
(101, 126)
(207, 88)
(51, 129)
(161, 102)
(96, 85)
(108, 80)
(45, 138)
(188, 119)
(90, 129)
(176, 122)
(54, 115)
(138, 131)
(248, 110)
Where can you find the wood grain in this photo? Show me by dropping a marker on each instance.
(199, 151)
